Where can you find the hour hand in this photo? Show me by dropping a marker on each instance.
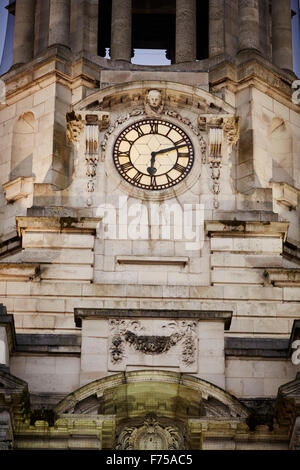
(151, 169)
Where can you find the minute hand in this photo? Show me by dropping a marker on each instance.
(169, 149)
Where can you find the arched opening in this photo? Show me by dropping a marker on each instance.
(153, 31)
(22, 146)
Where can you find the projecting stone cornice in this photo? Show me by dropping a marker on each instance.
(281, 277)
(57, 224)
(99, 313)
(19, 271)
(286, 194)
(236, 228)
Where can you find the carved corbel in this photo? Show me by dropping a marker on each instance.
(94, 123)
(231, 128)
(207, 122)
(75, 124)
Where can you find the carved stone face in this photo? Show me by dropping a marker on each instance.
(154, 98)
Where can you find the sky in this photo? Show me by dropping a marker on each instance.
(3, 17)
(146, 57)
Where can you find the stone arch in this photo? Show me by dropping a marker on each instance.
(200, 100)
(109, 394)
(152, 408)
(281, 150)
(23, 146)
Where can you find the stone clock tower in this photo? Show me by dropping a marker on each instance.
(150, 227)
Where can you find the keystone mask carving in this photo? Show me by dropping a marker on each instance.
(154, 103)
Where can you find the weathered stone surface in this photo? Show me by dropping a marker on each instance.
(154, 298)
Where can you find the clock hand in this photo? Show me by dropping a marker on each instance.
(151, 169)
(168, 149)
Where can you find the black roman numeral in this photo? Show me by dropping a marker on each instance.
(137, 177)
(153, 182)
(180, 142)
(183, 155)
(179, 168)
(126, 167)
(139, 131)
(153, 128)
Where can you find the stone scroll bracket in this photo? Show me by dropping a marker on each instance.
(92, 123)
(219, 129)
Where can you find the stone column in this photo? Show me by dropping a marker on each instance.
(249, 25)
(120, 48)
(216, 27)
(24, 31)
(282, 34)
(185, 30)
(59, 22)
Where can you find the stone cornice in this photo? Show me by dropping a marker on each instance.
(235, 228)
(19, 271)
(205, 315)
(283, 277)
(255, 72)
(57, 224)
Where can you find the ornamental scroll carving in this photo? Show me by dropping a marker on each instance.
(92, 123)
(218, 127)
(126, 333)
(151, 435)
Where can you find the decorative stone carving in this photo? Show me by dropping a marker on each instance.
(75, 124)
(215, 142)
(216, 127)
(99, 119)
(154, 104)
(231, 127)
(151, 344)
(131, 333)
(151, 435)
(207, 122)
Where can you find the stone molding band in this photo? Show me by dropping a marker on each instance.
(208, 315)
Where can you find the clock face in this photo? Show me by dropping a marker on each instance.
(153, 154)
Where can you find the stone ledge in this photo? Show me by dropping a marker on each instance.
(60, 343)
(57, 224)
(283, 277)
(291, 251)
(18, 188)
(286, 194)
(153, 260)
(18, 271)
(205, 315)
(239, 228)
(257, 347)
(10, 246)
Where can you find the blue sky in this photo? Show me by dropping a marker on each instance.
(3, 17)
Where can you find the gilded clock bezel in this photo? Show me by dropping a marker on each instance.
(145, 121)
